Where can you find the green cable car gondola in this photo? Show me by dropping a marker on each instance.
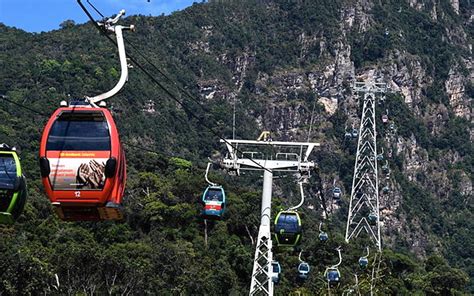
(287, 228)
(12, 185)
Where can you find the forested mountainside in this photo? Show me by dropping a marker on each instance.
(281, 62)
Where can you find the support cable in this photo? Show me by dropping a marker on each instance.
(166, 90)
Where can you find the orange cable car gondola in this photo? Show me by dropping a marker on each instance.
(82, 162)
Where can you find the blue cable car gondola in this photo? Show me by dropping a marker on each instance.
(303, 270)
(333, 276)
(287, 228)
(363, 262)
(13, 191)
(214, 202)
(276, 270)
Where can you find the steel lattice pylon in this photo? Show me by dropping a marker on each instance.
(364, 203)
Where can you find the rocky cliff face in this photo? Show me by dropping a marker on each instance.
(433, 94)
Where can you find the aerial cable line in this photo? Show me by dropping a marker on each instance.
(23, 106)
(167, 91)
(127, 143)
(96, 10)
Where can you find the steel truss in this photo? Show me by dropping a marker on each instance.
(365, 183)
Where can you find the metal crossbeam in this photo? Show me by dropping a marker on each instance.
(365, 183)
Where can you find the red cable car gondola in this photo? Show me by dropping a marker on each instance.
(82, 162)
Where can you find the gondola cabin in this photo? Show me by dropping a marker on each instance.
(13, 191)
(82, 163)
(355, 133)
(336, 193)
(385, 190)
(333, 276)
(372, 218)
(276, 270)
(385, 118)
(303, 270)
(323, 236)
(287, 228)
(363, 262)
(214, 203)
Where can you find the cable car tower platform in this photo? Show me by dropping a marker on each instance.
(294, 161)
(364, 203)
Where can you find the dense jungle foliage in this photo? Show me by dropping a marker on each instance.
(161, 248)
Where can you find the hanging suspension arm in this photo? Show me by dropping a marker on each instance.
(302, 197)
(207, 172)
(109, 26)
(340, 257)
(299, 256)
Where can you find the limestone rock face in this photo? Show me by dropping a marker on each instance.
(455, 89)
(317, 86)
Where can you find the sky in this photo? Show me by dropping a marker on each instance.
(46, 15)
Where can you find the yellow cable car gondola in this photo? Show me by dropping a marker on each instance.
(13, 191)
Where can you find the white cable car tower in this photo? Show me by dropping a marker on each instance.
(235, 161)
(365, 183)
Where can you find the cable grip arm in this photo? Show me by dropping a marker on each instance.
(302, 197)
(207, 172)
(340, 257)
(109, 27)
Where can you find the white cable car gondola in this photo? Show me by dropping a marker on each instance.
(276, 270)
(355, 133)
(336, 193)
(364, 261)
(332, 274)
(303, 268)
